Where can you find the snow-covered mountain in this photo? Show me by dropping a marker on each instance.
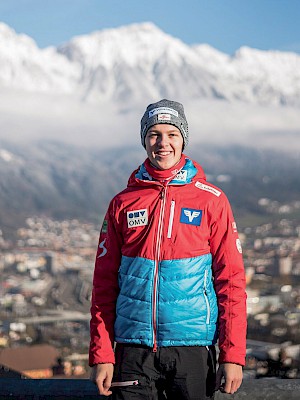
(131, 63)
(93, 89)
(24, 66)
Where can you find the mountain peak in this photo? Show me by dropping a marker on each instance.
(146, 26)
(133, 45)
(140, 61)
(6, 30)
(10, 37)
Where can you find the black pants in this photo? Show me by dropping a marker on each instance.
(185, 372)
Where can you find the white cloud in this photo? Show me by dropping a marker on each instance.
(26, 117)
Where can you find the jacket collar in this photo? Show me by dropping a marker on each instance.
(180, 176)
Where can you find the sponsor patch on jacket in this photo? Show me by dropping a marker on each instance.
(137, 218)
(234, 227)
(190, 216)
(162, 110)
(181, 176)
(239, 246)
(208, 188)
(104, 227)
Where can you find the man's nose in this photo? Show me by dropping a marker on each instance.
(163, 141)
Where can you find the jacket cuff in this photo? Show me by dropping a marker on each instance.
(231, 357)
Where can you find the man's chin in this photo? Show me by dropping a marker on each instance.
(165, 165)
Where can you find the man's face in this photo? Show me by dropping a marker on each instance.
(164, 144)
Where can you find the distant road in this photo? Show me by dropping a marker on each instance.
(58, 316)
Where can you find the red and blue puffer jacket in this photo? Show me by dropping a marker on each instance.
(169, 269)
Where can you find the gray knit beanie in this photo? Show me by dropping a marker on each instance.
(165, 112)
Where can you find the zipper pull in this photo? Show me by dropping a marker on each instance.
(162, 193)
(125, 383)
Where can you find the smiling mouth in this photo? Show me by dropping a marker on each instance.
(163, 153)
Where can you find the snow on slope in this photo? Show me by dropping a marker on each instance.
(93, 89)
(24, 66)
(139, 61)
(266, 77)
(134, 62)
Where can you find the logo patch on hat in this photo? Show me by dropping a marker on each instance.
(162, 110)
(164, 117)
(190, 216)
(137, 218)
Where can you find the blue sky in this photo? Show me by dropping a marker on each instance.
(224, 24)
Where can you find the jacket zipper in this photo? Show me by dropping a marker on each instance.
(157, 256)
(171, 219)
(206, 298)
(213, 364)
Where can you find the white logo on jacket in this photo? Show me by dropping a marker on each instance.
(181, 175)
(191, 215)
(103, 248)
(234, 227)
(208, 188)
(147, 176)
(137, 218)
(239, 246)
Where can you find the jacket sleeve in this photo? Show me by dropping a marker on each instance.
(230, 284)
(105, 292)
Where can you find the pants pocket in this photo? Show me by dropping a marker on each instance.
(125, 383)
(138, 389)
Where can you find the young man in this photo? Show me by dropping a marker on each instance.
(169, 277)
